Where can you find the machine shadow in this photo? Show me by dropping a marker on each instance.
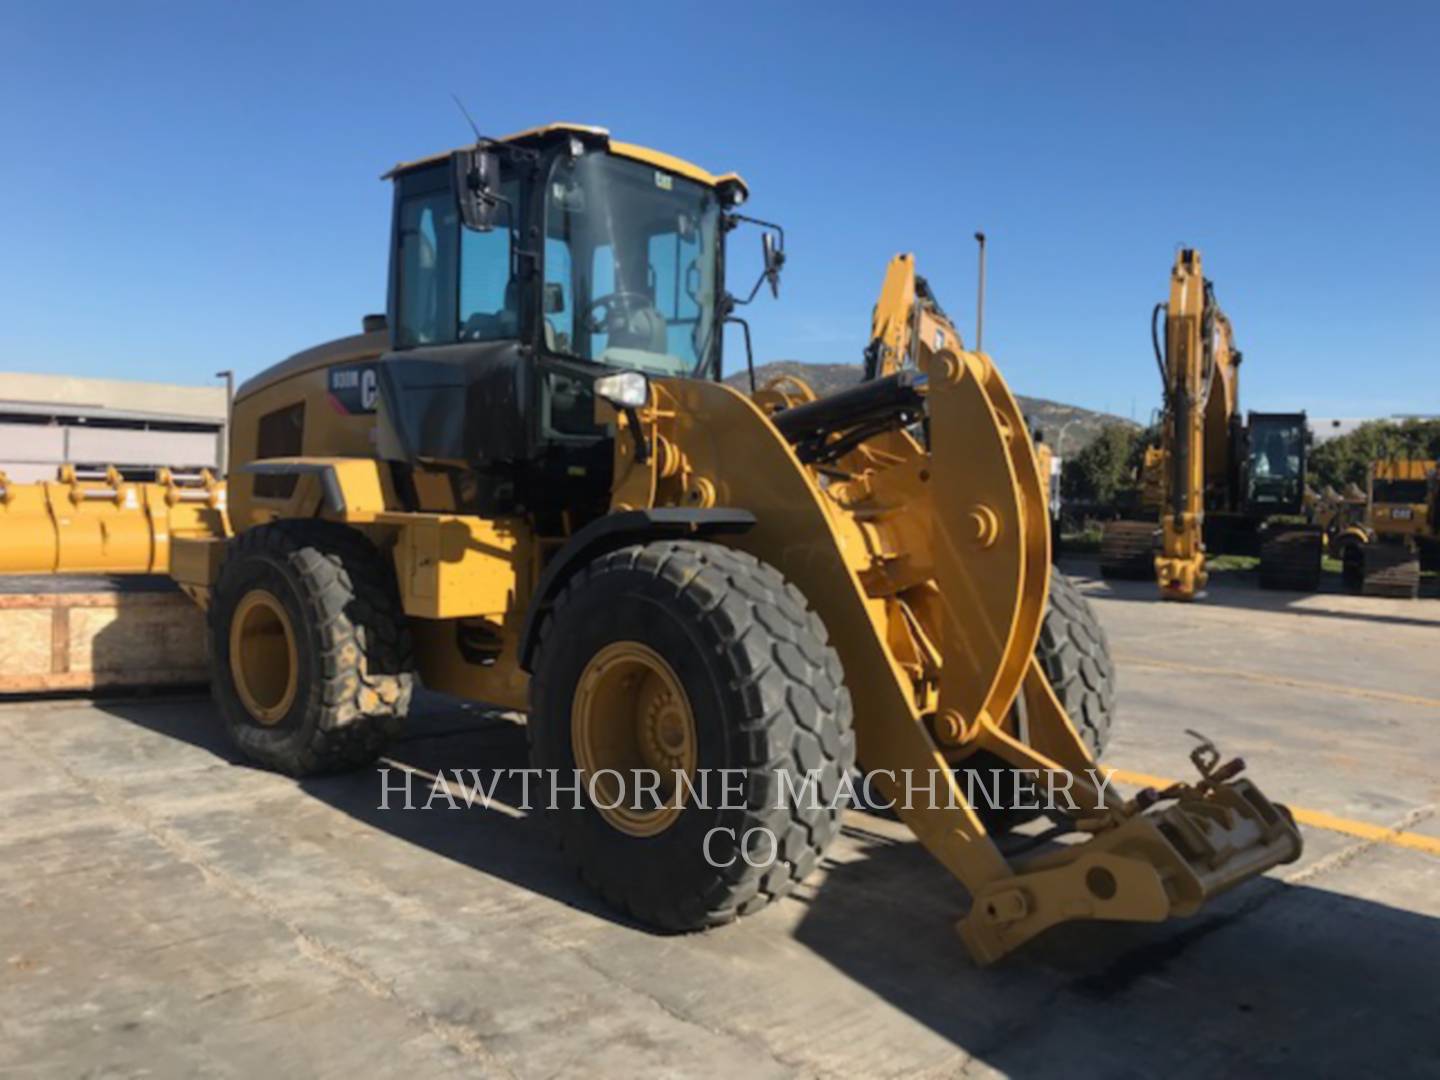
(1274, 977)
(442, 734)
(1286, 977)
(1241, 589)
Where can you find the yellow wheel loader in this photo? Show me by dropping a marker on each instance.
(526, 485)
(1223, 485)
(1380, 541)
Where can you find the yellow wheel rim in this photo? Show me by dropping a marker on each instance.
(631, 714)
(264, 662)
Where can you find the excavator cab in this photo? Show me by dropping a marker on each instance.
(1275, 463)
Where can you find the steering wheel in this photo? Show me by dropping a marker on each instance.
(617, 307)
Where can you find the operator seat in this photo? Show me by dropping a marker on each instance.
(641, 328)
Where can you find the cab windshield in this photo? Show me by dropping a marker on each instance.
(630, 265)
(1277, 449)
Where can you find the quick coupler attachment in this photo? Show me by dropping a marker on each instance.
(1162, 854)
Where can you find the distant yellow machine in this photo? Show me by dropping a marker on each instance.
(1220, 481)
(1380, 542)
(526, 485)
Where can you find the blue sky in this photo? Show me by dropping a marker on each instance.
(195, 186)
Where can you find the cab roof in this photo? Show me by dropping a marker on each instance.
(592, 134)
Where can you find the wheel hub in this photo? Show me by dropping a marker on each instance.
(631, 714)
(264, 662)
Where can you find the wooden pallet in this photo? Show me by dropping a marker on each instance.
(87, 633)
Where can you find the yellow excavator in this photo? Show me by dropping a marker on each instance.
(526, 485)
(1222, 484)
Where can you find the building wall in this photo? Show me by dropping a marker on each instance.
(50, 420)
(200, 402)
(1324, 428)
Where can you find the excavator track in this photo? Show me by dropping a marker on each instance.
(1290, 558)
(1127, 550)
(1381, 569)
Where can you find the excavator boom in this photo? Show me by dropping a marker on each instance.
(1198, 367)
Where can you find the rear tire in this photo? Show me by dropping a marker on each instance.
(1127, 550)
(764, 693)
(309, 652)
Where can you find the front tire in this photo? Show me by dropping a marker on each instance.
(700, 658)
(309, 653)
(1075, 656)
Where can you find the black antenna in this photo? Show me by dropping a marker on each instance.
(468, 119)
(980, 296)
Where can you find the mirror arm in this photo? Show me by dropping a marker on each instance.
(735, 219)
(737, 302)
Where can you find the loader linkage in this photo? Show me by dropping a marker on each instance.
(945, 531)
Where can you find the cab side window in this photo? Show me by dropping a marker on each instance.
(428, 224)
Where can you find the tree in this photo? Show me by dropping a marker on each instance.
(1346, 459)
(1106, 466)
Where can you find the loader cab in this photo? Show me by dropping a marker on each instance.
(1276, 456)
(586, 257)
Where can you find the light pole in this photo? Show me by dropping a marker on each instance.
(224, 454)
(1060, 438)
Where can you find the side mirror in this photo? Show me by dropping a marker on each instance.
(554, 302)
(774, 254)
(477, 187)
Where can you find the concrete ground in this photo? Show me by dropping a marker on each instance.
(167, 910)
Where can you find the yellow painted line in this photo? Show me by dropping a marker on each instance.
(1316, 819)
(1281, 680)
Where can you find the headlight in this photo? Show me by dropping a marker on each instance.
(627, 389)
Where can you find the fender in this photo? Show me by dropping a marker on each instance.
(615, 531)
(351, 489)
